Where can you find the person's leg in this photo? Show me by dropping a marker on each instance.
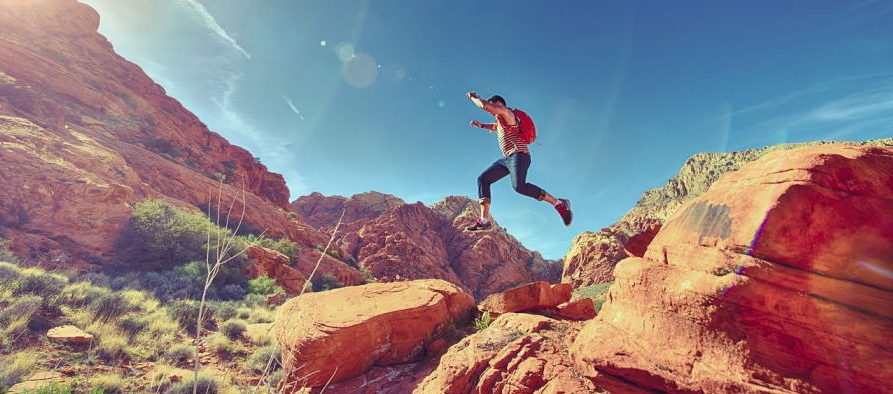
(518, 165)
(492, 174)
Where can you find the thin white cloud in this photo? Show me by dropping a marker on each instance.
(291, 105)
(210, 22)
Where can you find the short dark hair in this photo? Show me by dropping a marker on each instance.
(497, 98)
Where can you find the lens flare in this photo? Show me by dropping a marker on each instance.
(345, 52)
(360, 72)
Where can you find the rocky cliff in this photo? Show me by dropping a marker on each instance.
(399, 241)
(594, 254)
(85, 134)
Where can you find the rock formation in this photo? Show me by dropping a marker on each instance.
(593, 255)
(341, 333)
(398, 241)
(775, 280)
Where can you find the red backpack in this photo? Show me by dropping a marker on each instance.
(528, 129)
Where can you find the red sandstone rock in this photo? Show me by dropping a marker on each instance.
(69, 334)
(517, 353)
(580, 309)
(772, 281)
(411, 241)
(85, 134)
(341, 333)
(528, 297)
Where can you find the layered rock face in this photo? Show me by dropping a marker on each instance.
(775, 280)
(593, 255)
(399, 241)
(85, 134)
(341, 333)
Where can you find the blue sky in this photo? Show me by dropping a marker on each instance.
(343, 97)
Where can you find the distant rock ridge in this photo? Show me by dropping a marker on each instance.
(398, 241)
(593, 254)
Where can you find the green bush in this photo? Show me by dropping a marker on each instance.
(226, 310)
(132, 325)
(233, 329)
(257, 361)
(162, 236)
(8, 273)
(483, 321)
(185, 313)
(15, 318)
(108, 306)
(326, 282)
(367, 273)
(264, 285)
(40, 283)
(180, 353)
(54, 388)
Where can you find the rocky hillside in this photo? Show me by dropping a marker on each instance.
(86, 134)
(398, 241)
(594, 254)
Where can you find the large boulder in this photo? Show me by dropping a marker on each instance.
(517, 353)
(338, 334)
(529, 297)
(775, 280)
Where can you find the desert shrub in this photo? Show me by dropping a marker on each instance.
(15, 318)
(598, 293)
(108, 306)
(107, 384)
(132, 325)
(207, 384)
(110, 341)
(82, 293)
(220, 344)
(233, 329)
(326, 282)
(261, 315)
(231, 292)
(185, 313)
(159, 380)
(260, 336)
(275, 377)
(367, 273)
(257, 361)
(483, 321)
(95, 278)
(227, 310)
(264, 285)
(8, 272)
(16, 367)
(161, 236)
(39, 282)
(180, 353)
(54, 388)
(243, 312)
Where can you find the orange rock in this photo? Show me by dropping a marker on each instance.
(580, 309)
(517, 353)
(532, 296)
(338, 334)
(776, 279)
(69, 334)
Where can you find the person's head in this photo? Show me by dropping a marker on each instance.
(497, 99)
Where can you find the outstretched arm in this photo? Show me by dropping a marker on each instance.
(486, 105)
(488, 126)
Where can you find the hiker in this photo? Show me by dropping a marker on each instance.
(514, 138)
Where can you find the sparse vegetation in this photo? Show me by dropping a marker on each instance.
(598, 293)
(258, 360)
(107, 384)
(483, 321)
(367, 273)
(264, 285)
(180, 353)
(16, 367)
(233, 329)
(326, 282)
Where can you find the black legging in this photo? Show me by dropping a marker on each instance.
(516, 165)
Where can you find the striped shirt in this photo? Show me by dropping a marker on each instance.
(509, 137)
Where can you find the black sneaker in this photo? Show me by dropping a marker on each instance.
(564, 209)
(478, 226)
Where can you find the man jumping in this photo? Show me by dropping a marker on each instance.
(515, 162)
